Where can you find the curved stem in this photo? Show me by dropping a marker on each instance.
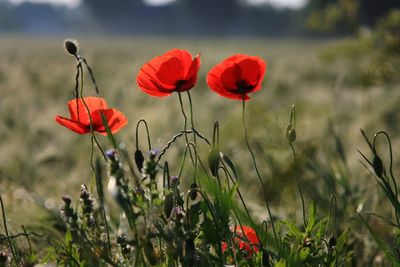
(147, 132)
(256, 168)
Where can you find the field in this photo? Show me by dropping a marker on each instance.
(41, 161)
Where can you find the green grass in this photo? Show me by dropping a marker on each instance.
(40, 161)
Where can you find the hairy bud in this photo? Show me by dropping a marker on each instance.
(71, 46)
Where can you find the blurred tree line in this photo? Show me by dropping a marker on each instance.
(198, 17)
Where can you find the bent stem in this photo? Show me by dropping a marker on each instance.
(93, 140)
(256, 168)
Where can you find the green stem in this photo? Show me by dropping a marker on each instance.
(185, 124)
(256, 169)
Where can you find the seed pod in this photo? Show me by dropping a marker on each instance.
(168, 205)
(71, 46)
(150, 253)
(213, 161)
(193, 192)
(378, 166)
(139, 159)
(332, 242)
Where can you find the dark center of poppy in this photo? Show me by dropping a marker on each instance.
(179, 84)
(243, 87)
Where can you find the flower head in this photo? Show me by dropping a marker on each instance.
(246, 241)
(96, 108)
(174, 71)
(237, 76)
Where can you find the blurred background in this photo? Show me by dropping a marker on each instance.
(269, 18)
(338, 61)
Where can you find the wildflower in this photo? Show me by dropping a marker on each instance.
(82, 116)
(174, 71)
(237, 76)
(246, 240)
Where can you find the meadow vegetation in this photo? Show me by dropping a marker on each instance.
(40, 161)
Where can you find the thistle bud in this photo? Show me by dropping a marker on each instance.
(378, 166)
(174, 181)
(193, 192)
(87, 205)
(71, 46)
(68, 213)
(139, 159)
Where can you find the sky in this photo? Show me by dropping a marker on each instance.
(74, 3)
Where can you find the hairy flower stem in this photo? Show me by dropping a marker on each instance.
(185, 124)
(7, 233)
(191, 116)
(93, 138)
(256, 169)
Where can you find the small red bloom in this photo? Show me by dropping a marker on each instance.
(237, 76)
(246, 240)
(80, 120)
(174, 71)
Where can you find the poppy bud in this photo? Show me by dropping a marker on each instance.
(378, 166)
(139, 159)
(168, 205)
(290, 133)
(332, 242)
(213, 161)
(193, 192)
(71, 46)
(150, 253)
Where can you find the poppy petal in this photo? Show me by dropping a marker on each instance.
(171, 71)
(78, 111)
(115, 120)
(214, 82)
(191, 77)
(150, 87)
(72, 125)
(184, 56)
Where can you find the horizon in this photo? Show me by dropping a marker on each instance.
(295, 4)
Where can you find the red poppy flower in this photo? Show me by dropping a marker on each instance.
(237, 76)
(246, 240)
(174, 71)
(80, 120)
